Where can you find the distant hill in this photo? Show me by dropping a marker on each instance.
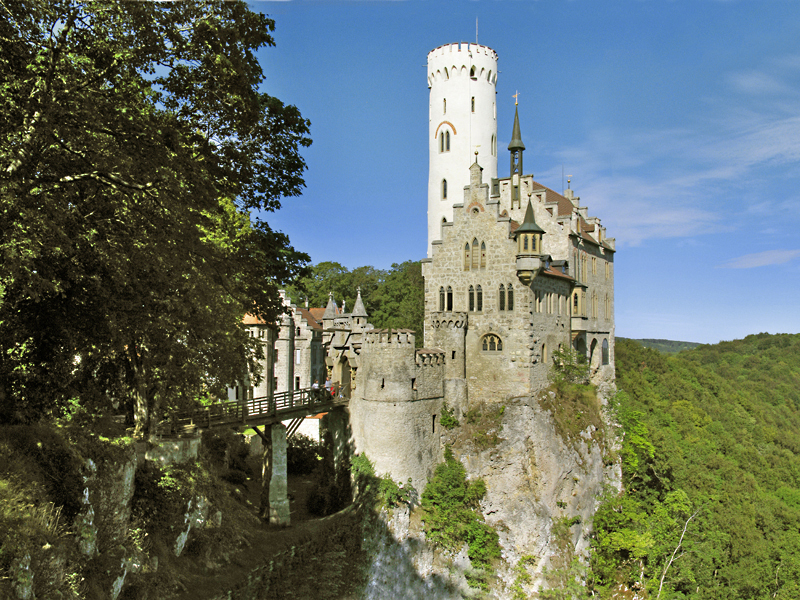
(711, 470)
(666, 346)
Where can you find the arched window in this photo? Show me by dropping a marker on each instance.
(444, 106)
(544, 353)
(441, 299)
(444, 189)
(494, 146)
(483, 255)
(510, 298)
(479, 303)
(473, 104)
(491, 343)
(502, 299)
(472, 72)
(467, 255)
(524, 241)
(605, 352)
(449, 298)
(447, 141)
(475, 255)
(297, 332)
(575, 304)
(441, 142)
(471, 301)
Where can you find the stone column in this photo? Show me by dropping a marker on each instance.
(278, 485)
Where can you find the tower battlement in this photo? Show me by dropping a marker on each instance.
(389, 337)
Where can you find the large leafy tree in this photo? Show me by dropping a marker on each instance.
(136, 157)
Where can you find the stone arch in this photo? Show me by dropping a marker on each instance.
(594, 355)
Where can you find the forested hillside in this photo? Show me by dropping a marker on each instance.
(711, 472)
(666, 346)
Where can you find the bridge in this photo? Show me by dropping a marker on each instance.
(294, 405)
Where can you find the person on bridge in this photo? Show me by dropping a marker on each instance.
(315, 391)
(327, 388)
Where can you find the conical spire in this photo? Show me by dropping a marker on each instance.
(516, 136)
(529, 223)
(331, 310)
(358, 308)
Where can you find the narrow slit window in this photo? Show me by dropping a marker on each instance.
(479, 299)
(449, 298)
(471, 302)
(441, 299)
(502, 297)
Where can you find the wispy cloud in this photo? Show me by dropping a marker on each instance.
(761, 259)
(683, 181)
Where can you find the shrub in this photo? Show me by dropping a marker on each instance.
(302, 455)
(447, 419)
(452, 518)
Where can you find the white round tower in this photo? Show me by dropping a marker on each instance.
(462, 119)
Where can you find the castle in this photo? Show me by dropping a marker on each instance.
(514, 272)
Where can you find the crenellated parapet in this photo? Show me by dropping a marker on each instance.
(447, 330)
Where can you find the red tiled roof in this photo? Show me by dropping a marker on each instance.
(309, 317)
(317, 313)
(253, 320)
(556, 273)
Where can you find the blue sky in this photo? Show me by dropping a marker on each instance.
(678, 121)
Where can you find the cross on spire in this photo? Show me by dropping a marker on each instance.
(515, 96)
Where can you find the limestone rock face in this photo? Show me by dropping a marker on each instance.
(534, 478)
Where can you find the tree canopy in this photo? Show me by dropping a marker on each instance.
(394, 298)
(711, 468)
(137, 154)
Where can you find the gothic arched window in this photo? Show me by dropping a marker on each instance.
(449, 298)
(467, 258)
(441, 142)
(479, 299)
(483, 255)
(441, 299)
(491, 343)
(502, 298)
(447, 141)
(605, 352)
(475, 255)
(471, 299)
(510, 298)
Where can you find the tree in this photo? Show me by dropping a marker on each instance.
(399, 303)
(135, 153)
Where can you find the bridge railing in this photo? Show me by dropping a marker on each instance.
(235, 411)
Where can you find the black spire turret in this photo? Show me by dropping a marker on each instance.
(515, 147)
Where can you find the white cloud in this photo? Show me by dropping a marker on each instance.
(761, 259)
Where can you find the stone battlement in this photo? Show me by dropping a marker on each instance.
(389, 337)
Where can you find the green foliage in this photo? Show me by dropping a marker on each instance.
(137, 155)
(569, 366)
(162, 494)
(452, 517)
(711, 465)
(522, 577)
(393, 298)
(575, 408)
(483, 424)
(448, 419)
(302, 455)
(381, 491)
(666, 346)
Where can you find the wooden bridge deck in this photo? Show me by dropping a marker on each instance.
(282, 406)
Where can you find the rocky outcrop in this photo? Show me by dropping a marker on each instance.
(534, 479)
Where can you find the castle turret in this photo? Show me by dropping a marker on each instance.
(462, 120)
(529, 247)
(359, 315)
